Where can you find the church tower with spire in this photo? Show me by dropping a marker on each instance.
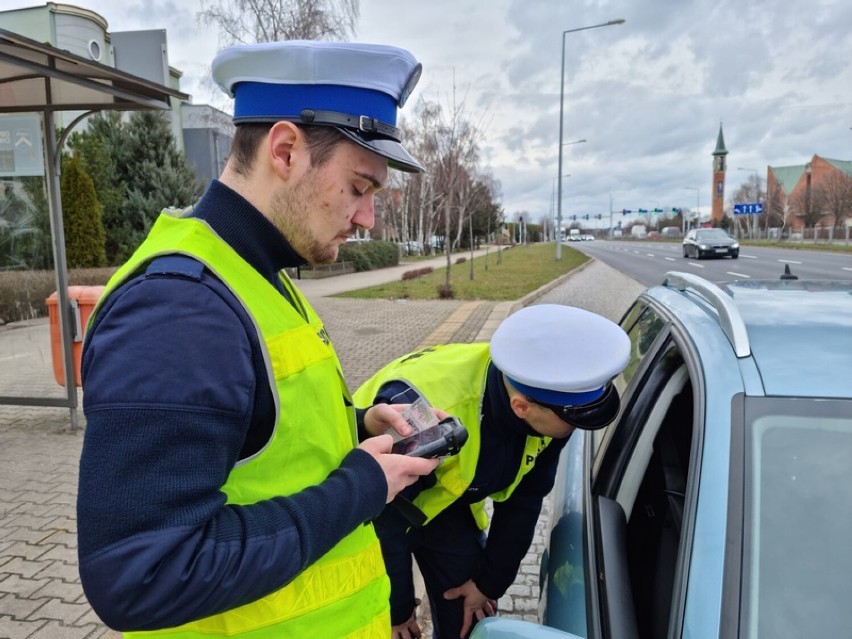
(719, 168)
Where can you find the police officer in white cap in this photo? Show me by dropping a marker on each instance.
(547, 371)
(222, 492)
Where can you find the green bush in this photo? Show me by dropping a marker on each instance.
(81, 215)
(23, 293)
(370, 255)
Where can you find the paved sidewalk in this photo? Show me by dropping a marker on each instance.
(40, 593)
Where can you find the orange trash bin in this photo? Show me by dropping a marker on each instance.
(82, 301)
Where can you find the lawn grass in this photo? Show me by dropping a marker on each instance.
(509, 275)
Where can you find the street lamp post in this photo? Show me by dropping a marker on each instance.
(553, 195)
(697, 206)
(561, 113)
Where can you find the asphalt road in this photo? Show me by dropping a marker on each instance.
(648, 262)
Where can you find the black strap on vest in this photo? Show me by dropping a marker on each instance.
(407, 509)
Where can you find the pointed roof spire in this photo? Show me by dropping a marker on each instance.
(720, 143)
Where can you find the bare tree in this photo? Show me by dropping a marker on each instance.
(835, 193)
(752, 191)
(250, 21)
(420, 133)
(777, 207)
(808, 205)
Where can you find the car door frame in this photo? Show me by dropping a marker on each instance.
(608, 592)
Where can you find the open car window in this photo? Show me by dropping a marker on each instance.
(648, 486)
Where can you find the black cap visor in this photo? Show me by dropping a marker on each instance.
(598, 414)
(398, 158)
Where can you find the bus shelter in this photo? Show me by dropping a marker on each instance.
(36, 78)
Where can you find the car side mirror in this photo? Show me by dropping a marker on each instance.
(502, 628)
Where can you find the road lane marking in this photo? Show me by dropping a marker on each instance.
(670, 259)
(739, 275)
(649, 254)
(695, 265)
(749, 257)
(845, 268)
(789, 262)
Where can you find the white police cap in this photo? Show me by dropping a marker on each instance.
(356, 88)
(560, 355)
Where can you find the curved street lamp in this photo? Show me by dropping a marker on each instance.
(561, 112)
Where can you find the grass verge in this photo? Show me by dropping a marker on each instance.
(501, 275)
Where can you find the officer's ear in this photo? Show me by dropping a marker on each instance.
(287, 149)
(520, 405)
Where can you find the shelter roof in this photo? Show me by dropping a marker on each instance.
(39, 77)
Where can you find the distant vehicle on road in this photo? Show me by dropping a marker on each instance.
(718, 503)
(639, 231)
(671, 232)
(700, 243)
(412, 247)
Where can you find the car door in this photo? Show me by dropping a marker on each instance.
(624, 523)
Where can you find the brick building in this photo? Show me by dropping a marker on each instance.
(812, 195)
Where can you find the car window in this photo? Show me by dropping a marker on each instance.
(645, 468)
(797, 518)
(642, 325)
(713, 234)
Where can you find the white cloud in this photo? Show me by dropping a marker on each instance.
(648, 95)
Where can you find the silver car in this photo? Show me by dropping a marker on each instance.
(718, 504)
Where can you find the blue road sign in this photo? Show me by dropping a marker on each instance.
(755, 208)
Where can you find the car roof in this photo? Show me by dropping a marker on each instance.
(800, 334)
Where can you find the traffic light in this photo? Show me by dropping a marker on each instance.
(643, 211)
(586, 216)
(624, 211)
(658, 210)
(598, 216)
(573, 217)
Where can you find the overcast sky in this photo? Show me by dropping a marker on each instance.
(648, 95)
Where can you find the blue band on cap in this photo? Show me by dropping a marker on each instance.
(284, 101)
(557, 398)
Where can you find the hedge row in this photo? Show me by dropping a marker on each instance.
(418, 272)
(23, 293)
(370, 255)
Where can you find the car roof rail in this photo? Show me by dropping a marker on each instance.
(729, 316)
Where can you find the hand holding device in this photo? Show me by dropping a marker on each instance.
(445, 438)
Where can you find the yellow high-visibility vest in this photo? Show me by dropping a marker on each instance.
(451, 377)
(345, 593)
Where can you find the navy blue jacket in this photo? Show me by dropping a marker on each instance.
(502, 439)
(175, 393)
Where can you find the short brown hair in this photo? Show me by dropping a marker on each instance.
(321, 140)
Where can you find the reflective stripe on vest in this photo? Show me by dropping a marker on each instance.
(427, 371)
(345, 593)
